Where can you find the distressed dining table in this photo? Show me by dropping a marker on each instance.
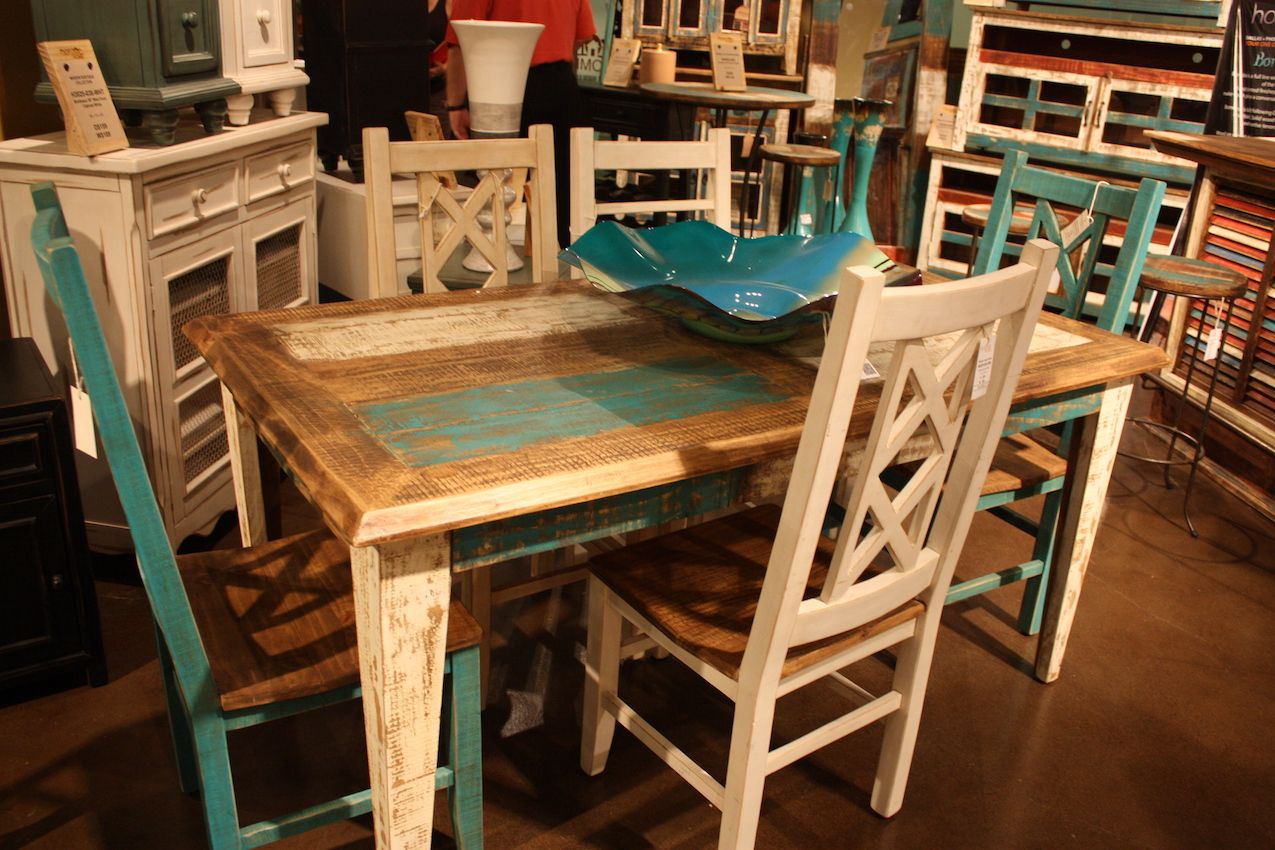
(447, 432)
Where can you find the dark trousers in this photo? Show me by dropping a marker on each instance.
(552, 97)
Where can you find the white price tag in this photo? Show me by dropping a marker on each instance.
(82, 422)
(983, 367)
(1214, 346)
(806, 219)
(870, 372)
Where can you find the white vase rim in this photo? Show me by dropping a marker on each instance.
(499, 24)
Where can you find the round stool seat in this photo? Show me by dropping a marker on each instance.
(976, 215)
(1191, 277)
(806, 155)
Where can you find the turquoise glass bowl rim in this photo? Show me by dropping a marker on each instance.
(741, 290)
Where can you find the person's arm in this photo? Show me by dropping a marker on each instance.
(586, 29)
(457, 93)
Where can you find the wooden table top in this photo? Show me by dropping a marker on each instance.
(754, 97)
(423, 414)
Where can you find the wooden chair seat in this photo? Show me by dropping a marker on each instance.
(1022, 462)
(277, 620)
(700, 586)
(1191, 277)
(808, 155)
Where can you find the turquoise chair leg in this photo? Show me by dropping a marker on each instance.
(1032, 610)
(178, 721)
(216, 786)
(465, 797)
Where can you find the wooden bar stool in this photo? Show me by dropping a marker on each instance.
(976, 215)
(804, 216)
(1194, 279)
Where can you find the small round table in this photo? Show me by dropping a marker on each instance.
(752, 99)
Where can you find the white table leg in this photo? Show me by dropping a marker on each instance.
(401, 594)
(1092, 457)
(246, 470)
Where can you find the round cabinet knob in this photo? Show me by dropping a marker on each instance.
(57, 581)
(264, 17)
(199, 197)
(190, 20)
(285, 171)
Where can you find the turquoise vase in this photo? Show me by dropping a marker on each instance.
(842, 132)
(869, 120)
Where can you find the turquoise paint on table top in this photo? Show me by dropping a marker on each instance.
(506, 418)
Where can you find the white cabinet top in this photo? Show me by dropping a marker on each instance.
(49, 151)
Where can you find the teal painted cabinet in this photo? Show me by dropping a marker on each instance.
(156, 55)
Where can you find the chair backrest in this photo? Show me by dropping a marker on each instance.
(1134, 209)
(952, 352)
(589, 156)
(447, 224)
(63, 275)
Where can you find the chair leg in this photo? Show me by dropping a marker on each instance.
(1032, 610)
(178, 721)
(746, 771)
(601, 675)
(465, 796)
(475, 591)
(217, 789)
(911, 672)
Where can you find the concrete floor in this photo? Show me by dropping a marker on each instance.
(1158, 734)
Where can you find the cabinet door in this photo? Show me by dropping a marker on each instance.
(38, 613)
(766, 21)
(1128, 108)
(189, 41)
(691, 18)
(197, 280)
(265, 31)
(1031, 105)
(279, 258)
(649, 17)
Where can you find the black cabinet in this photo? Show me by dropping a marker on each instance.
(48, 608)
(367, 65)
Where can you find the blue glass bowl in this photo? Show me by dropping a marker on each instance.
(739, 290)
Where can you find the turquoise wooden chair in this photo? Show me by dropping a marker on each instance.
(1022, 467)
(251, 635)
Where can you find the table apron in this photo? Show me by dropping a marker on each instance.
(1054, 409)
(500, 540)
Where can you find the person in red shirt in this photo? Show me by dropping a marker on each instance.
(552, 95)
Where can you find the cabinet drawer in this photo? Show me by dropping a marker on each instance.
(24, 454)
(190, 199)
(274, 172)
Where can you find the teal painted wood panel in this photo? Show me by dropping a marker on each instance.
(505, 418)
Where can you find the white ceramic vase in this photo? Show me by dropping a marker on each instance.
(497, 55)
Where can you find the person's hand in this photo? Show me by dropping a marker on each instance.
(459, 121)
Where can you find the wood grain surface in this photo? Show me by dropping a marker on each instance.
(424, 414)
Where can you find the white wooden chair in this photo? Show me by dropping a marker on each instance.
(588, 156)
(759, 604)
(457, 225)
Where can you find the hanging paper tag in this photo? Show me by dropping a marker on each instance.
(82, 422)
(806, 219)
(870, 372)
(1074, 228)
(983, 368)
(1214, 345)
